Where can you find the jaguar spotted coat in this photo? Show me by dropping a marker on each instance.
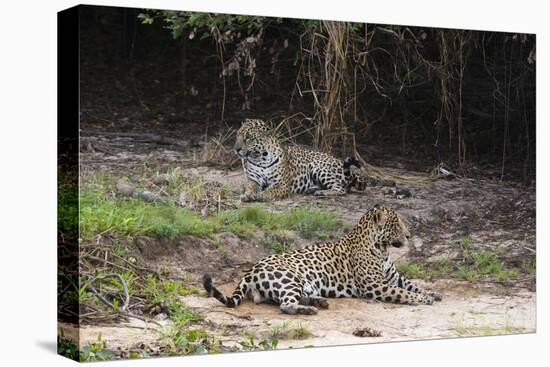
(357, 265)
(275, 171)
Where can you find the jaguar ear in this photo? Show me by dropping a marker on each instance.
(379, 216)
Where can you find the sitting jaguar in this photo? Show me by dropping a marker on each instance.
(357, 266)
(280, 171)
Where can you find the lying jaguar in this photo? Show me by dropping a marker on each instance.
(357, 266)
(279, 171)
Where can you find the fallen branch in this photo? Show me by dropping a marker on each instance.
(159, 139)
(122, 310)
(106, 301)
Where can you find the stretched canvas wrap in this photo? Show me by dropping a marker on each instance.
(231, 183)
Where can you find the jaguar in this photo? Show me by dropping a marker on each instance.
(357, 265)
(275, 171)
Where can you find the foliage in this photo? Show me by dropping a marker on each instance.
(455, 95)
(192, 341)
(529, 267)
(96, 352)
(67, 210)
(168, 293)
(202, 25)
(101, 212)
(66, 347)
(288, 331)
(249, 343)
(276, 244)
(440, 268)
(481, 264)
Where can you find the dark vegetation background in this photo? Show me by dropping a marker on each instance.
(459, 97)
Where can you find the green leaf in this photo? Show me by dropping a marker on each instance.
(145, 18)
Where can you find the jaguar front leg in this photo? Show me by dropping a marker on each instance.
(335, 190)
(410, 286)
(393, 277)
(381, 290)
(275, 192)
(250, 192)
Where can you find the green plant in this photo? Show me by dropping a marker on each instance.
(96, 352)
(200, 25)
(438, 268)
(101, 212)
(479, 264)
(278, 246)
(529, 266)
(168, 293)
(465, 241)
(66, 347)
(191, 341)
(412, 271)
(277, 331)
(287, 330)
(312, 223)
(249, 343)
(300, 332)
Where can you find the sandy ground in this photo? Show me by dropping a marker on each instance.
(493, 215)
(465, 310)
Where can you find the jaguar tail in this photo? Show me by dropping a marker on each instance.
(233, 301)
(359, 182)
(351, 161)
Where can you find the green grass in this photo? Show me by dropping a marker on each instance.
(191, 341)
(180, 338)
(167, 292)
(277, 244)
(465, 241)
(440, 268)
(249, 343)
(529, 267)
(67, 210)
(484, 264)
(302, 331)
(476, 265)
(288, 331)
(102, 212)
(411, 270)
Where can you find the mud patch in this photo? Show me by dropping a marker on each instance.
(191, 256)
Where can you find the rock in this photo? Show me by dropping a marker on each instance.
(182, 200)
(417, 243)
(388, 191)
(124, 188)
(160, 179)
(149, 196)
(403, 193)
(161, 317)
(367, 331)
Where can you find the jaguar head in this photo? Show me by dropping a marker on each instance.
(256, 143)
(385, 227)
